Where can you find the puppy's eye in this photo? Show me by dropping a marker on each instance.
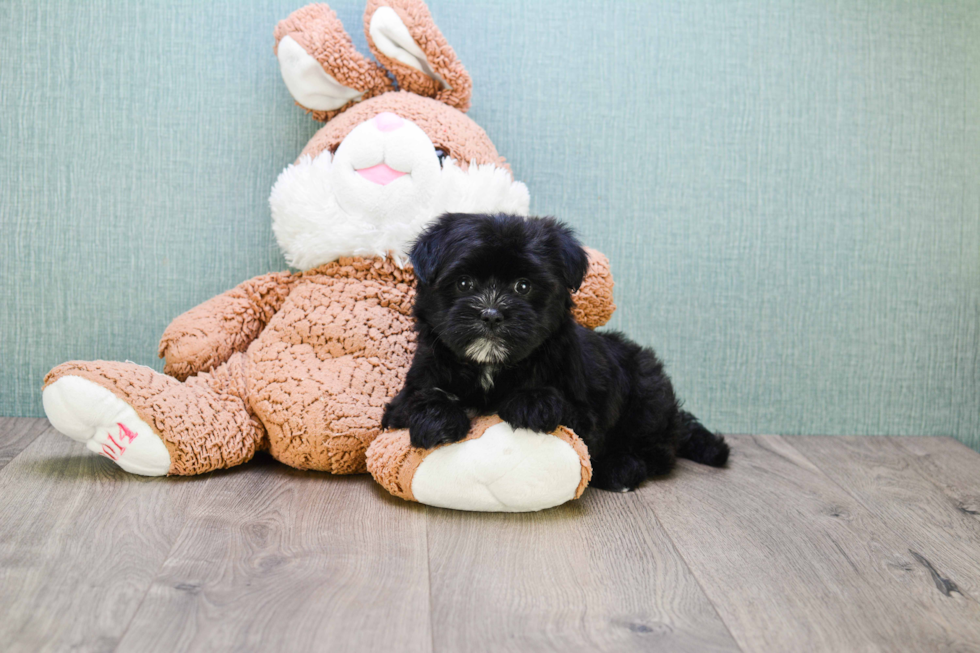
(464, 284)
(522, 286)
(441, 154)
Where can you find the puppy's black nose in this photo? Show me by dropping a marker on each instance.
(491, 317)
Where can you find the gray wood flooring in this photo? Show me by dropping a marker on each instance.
(802, 544)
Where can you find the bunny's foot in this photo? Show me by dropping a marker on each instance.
(107, 425)
(496, 468)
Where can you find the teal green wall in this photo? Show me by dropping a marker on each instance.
(789, 191)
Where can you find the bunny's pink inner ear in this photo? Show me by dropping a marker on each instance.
(323, 71)
(404, 38)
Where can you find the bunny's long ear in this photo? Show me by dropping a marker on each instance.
(322, 70)
(407, 42)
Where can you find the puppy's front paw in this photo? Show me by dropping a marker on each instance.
(537, 409)
(438, 423)
(396, 414)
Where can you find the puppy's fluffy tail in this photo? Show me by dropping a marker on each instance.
(699, 444)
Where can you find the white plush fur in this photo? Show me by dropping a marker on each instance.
(323, 209)
(504, 470)
(391, 36)
(308, 82)
(88, 413)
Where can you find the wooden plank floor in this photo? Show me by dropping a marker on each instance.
(802, 544)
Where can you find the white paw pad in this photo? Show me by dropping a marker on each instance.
(107, 425)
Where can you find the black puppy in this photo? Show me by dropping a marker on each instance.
(496, 335)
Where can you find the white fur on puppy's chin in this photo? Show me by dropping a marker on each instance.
(485, 351)
(312, 229)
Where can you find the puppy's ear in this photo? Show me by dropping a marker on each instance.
(573, 260)
(429, 249)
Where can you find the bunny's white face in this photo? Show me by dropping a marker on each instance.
(373, 197)
(375, 179)
(385, 166)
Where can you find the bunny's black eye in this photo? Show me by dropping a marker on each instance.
(464, 284)
(522, 286)
(441, 154)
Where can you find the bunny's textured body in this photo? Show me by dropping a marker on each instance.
(301, 364)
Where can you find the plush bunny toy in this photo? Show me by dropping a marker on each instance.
(301, 364)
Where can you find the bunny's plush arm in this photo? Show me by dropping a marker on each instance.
(594, 300)
(208, 334)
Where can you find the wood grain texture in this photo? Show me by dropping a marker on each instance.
(835, 544)
(926, 505)
(16, 433)
(793, 562)
(594, 575)
(274, 558)
(80, 542)
(951, 466)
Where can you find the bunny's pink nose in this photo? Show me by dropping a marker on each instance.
(388, 121)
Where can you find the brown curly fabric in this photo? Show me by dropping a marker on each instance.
(299, 364)
(204, 423)
(440, 55)
(594, 304)
(437, 111)
(392, 460)
(324, 368)
(208, 334)
(569, 436)
(448, 129)
(320, 33)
